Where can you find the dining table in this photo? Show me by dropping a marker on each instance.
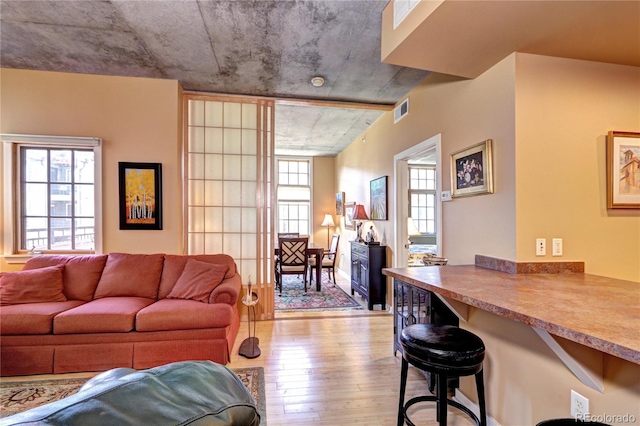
(318, 253)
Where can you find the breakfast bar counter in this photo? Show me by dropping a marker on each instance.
(598, 312)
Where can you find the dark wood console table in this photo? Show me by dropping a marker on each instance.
(367, 279)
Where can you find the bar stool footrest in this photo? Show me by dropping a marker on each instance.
(450, 402)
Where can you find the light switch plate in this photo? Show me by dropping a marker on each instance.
(556, 247)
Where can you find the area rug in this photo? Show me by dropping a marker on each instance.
(16, 397)
(293, 298)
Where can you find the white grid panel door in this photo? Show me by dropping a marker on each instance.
(228, 167)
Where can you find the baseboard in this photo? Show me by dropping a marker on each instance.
(347, 277)
(343, 274)
(462, 399)
(389, 307)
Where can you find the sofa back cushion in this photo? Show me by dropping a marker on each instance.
(130, 275)
(174, 266)
(80, 275)
(198, 280)
(38, 285)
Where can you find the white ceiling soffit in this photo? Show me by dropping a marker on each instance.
(466, 38)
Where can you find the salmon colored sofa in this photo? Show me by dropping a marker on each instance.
(65, 314)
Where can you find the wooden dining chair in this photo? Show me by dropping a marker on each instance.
(292, 260)
(285, 235)
(329, 259)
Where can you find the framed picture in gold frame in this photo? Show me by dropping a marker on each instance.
(623, 170)
(471, 170)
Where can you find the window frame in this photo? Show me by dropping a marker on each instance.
(309, 185)
(426, 192)
(12, 163)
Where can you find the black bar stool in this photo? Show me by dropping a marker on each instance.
(445, 351)
(569, 422)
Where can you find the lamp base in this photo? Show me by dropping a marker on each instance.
(359, 238)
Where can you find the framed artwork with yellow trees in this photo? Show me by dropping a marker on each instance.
(140, 195)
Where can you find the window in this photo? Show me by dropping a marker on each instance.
(294, 196)
(54, 184)
(422, 198)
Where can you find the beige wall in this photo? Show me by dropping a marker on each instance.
(547, 118)
(564, 110)
(137, 119)
(323, 198)
(549, 176)
(526, 382)
(465, 112)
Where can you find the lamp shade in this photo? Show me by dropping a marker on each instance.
(359, 213)
(328, 220)
(411, 227)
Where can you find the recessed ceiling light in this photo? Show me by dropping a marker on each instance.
(317, 81)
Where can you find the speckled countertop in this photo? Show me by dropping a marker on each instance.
(598, 312)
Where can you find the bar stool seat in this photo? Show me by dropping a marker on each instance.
(445, 351)
(569, 422)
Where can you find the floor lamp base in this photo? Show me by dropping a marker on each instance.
(249, 348)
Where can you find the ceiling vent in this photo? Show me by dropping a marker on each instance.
(401, 110)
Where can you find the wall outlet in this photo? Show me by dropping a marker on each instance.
(541, 246)
(556, 246)
(579, 406)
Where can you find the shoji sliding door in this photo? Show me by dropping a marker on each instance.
(228, 170)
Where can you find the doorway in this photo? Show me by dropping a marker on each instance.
(426, 153)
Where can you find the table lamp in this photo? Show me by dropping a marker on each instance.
(359, 215)
(328, 221)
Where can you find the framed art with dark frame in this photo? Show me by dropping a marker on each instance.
(349, 208)
(339, 203)
(378, 199)
(471, 170)
(140, 195)
(623, 170)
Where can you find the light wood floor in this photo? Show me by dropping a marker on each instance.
(334, 368)
(329, 368)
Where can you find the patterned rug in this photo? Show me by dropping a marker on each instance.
(293, 297)
(16, 397)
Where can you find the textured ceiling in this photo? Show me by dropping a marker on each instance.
(263, 48)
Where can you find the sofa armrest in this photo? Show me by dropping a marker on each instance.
(227, 292)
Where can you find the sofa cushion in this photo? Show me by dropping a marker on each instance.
(80, 275)
(198, 280)
(38, 285)
(130, 275)
(175, 264)
(106, 315)
(32, 318)
(179, 314)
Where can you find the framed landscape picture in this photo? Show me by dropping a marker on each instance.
(378, 199)
(471, 171)
(349, 208)
(140, 195)
(623, 170)
(339, 203)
